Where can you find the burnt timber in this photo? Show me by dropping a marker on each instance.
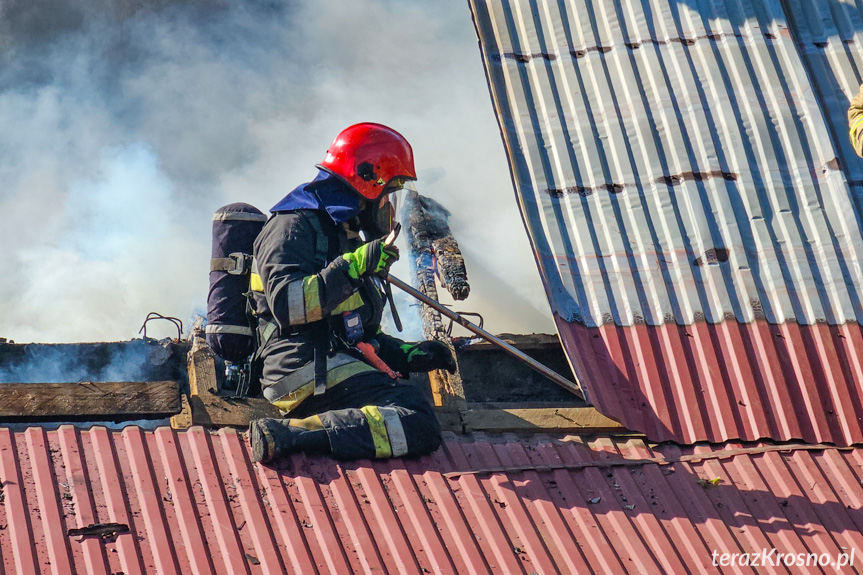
(88, 401)
(435, 253)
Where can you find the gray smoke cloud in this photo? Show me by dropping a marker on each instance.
(123, 361)
(124, 125)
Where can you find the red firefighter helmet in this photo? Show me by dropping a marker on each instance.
(372, 158)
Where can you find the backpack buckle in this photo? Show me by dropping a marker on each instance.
(242, 263)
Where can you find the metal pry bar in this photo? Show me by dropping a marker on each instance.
(532, 363)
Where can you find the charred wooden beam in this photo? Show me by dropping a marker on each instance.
(435, 253)
(431, 239)
(449, 267)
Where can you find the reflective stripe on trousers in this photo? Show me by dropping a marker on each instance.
(387, 431)
(371, 416)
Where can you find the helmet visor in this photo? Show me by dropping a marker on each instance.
(399, 183)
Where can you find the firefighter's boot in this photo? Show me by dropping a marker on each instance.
(275, 438)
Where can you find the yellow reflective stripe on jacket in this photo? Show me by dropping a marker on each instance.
(852, 133)
(378, 428)
(304, 300)
(350, 304)
(255, 283)
(334, 377)
(296, 302)
(312, 291)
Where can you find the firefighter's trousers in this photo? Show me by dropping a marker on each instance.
(372, 416)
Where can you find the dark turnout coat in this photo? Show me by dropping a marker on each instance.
(301, 292)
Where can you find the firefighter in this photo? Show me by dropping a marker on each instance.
(855, 122)
(317, 295)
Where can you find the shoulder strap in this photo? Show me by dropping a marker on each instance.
(321, 331)
(321, 239)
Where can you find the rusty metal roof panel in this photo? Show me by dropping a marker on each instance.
(675, 168)
(194, 503)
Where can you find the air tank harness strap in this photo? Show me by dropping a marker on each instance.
(322, 348)
(237, 264)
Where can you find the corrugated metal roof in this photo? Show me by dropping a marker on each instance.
(725, 381)
(674, 167)
(830, 36)
(195, 504)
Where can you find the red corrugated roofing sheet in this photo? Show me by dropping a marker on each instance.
(194, 503)
(726, 381)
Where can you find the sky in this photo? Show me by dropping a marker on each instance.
(124, 125)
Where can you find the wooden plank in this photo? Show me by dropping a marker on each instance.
(202, 367)
(88, 401)
(183, 420)
(213, 411)
(568, 419)
(209, 409)
(447, 390)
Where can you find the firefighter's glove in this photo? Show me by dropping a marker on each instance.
(373, 258)
(428, 355)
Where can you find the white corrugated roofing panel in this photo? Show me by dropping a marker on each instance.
(672, 161)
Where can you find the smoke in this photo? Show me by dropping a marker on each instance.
(123, 126)
(125, 361)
